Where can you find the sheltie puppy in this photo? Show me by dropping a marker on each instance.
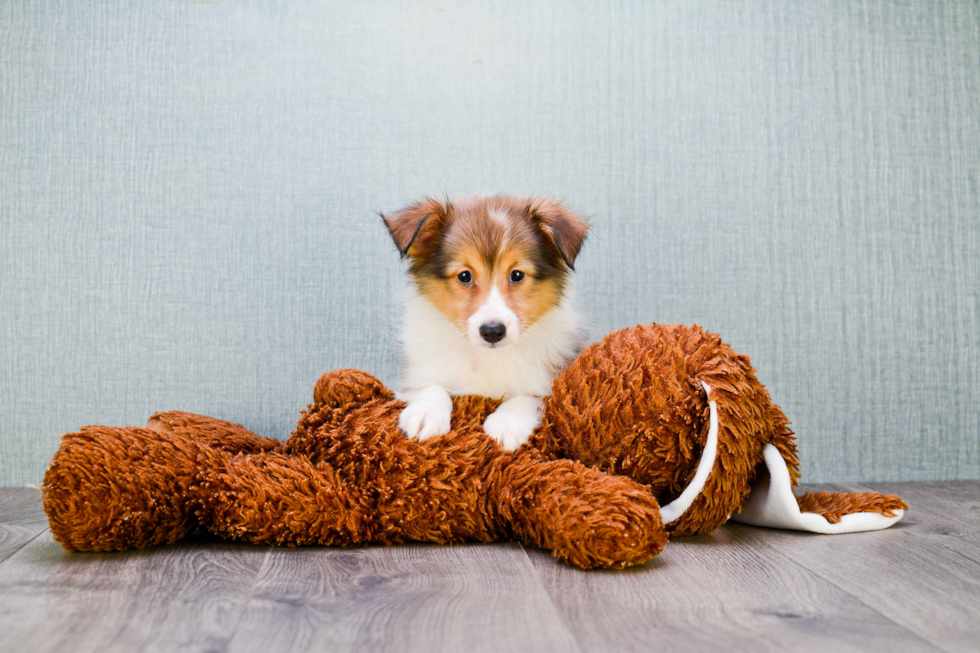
(488, 309)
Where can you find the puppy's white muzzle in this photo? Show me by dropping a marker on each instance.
(494, 324)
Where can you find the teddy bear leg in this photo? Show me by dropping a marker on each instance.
(110, 489)
(717, 487)
(772, 503)
(835, 506)
(730, 492)
(585, 517)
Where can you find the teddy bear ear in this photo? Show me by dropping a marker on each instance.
(562, 226)
(416, 228)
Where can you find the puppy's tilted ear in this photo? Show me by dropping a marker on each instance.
(416, 228)
(565, 228)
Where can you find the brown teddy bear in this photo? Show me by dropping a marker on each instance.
(652, 432)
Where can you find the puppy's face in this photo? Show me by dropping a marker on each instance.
(494, 265)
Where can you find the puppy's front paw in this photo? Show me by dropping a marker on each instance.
(511, 429)
(425, 419)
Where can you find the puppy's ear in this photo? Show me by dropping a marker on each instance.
(564, 228)
(415, 229)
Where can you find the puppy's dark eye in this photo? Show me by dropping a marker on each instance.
(516, 276)
(465, 277)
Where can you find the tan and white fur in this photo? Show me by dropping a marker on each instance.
(489, 308)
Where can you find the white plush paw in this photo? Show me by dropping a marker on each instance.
(510, 429)
(424, 419)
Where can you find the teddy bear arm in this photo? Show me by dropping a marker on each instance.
(398, 490)
(585, 517)
(274, 498)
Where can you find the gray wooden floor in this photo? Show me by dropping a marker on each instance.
(913, 587)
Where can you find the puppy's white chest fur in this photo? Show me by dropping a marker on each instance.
(441, 361)
(438, 354)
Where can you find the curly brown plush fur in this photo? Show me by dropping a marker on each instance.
(834, 505)
(624, 428)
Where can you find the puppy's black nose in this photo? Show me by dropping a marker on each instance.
(493, 332)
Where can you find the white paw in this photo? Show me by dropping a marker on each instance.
(429, 414)
(511, 428)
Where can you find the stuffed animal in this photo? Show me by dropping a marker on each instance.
(655, 431)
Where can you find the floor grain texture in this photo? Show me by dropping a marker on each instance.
(414, 597)
(20, 518)
(914, 587)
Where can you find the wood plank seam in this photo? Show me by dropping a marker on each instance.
(251, 595)
(554, 607)
(11, 554)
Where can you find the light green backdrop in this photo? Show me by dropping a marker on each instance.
(187, 195)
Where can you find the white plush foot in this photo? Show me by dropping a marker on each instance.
(514, 421)
(772, 503)
(428, 413)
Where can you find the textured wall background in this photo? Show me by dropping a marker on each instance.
(187, 192)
